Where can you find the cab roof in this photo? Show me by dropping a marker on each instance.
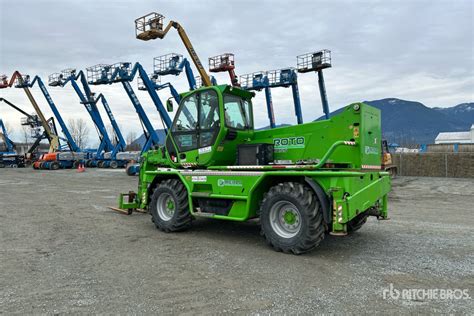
(225, 88)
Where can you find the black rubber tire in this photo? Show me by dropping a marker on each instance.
(312, 229)
(2, 165)
(182, 218)
(356, 223)
(54, 165)
(75, 164)
(113, 164)
(88, 163)
(128, 170)
(100, 164)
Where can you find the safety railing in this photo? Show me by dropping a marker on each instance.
(222, 62)
(167, 64)
(55, 79)
(255, 80)
(147, 26)
(99, 74)
(153, 77)
(282, 77)
(315, 61)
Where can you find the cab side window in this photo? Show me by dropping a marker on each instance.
(235, 116)
(185, 125)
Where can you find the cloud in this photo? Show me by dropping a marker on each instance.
(419, 50)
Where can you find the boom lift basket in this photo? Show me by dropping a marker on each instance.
(55, 79)
(149, 26)
(224, 62)
(25, 80)
(68, 73)
(123, 70)
(3, 81)
(153, 77)
(32, 121)
(99, 74)
(282, 77)
(167, 64)
(255, 81)
(314, 61)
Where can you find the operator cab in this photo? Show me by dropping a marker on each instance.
(208, 125)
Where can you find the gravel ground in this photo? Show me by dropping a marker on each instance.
(63, 251)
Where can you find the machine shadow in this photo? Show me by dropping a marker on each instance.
(250, 233)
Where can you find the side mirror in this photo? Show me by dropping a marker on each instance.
(169, 105)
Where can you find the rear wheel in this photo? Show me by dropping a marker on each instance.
(169, 206)
(100, 164)
(2, 165)
(113, 164)
(291, 218)
(54, 165)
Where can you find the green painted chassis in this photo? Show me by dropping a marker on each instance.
(349, 193)
(347, 177)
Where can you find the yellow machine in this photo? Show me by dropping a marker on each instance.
(150, 26)
(19, 81)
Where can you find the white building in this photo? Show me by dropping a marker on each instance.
(456, 137)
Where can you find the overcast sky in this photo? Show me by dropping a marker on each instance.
(413, 49)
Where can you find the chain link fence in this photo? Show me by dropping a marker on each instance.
(435, 164)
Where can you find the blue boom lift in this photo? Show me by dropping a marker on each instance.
(68, 155)
(124, 72)
(8, 156)
(317, 61)
(117, 157)
(30, 83)
(286, 77)
(170, 64)
(9, 144)
(174, 64)
(87, 98)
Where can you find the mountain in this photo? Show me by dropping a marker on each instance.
(409, 122)
(141, 140)
(463, 112)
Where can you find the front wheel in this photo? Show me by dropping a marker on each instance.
(291, 218)
(169, 206)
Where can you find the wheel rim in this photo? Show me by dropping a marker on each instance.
(285, 219)
(165, 206)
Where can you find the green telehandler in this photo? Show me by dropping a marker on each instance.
(301, 181)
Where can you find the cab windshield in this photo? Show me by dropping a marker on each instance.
(237, 112)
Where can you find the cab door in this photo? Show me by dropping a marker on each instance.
(195, 127)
